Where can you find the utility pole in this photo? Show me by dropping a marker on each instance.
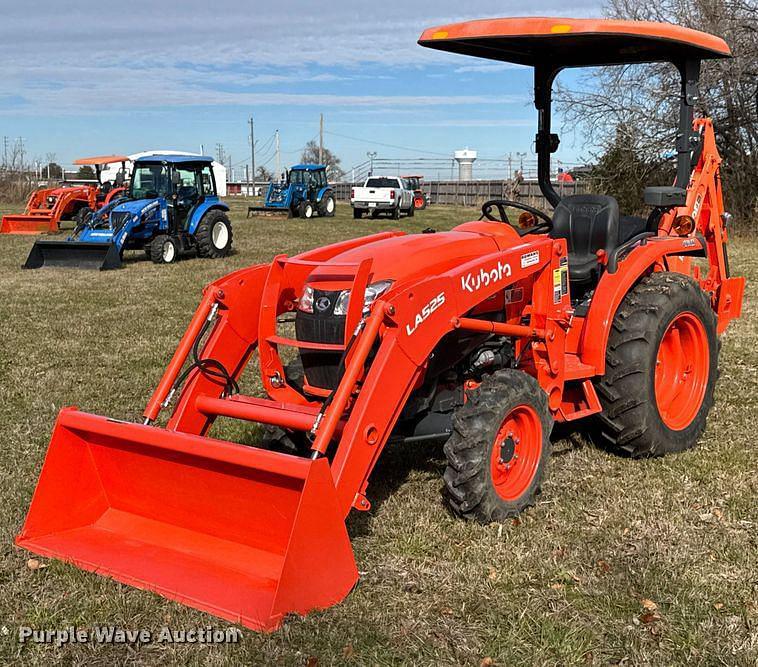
(278, 156)
(231, 169)
(321, 141)
(371, 156)
(251, 182)
(5, 151)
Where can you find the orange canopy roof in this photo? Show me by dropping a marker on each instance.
(102, 159)
(566, 42)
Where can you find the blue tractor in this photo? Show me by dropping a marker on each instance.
(303, 192)
(171, 208)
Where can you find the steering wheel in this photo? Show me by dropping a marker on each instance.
(543, 227)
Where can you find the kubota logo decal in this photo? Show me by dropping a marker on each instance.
(425, 313)
(473, 282)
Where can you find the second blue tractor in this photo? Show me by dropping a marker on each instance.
(302, 193)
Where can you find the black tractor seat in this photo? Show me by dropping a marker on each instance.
(590, 223)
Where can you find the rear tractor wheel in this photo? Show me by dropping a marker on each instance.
(214, 235)
(164, 249)
(498, 452)
(661, 368)
(327, 206)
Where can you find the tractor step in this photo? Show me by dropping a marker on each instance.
(243, 533)
(73, 255)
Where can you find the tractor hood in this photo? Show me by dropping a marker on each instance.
(409, 257)
(137, 206)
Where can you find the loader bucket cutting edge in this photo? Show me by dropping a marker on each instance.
(27, 224)
(245, 534)
(73, 255)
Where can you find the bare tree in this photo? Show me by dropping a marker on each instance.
(333, 163)
(636, 106)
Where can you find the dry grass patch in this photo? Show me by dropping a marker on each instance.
(633, 562)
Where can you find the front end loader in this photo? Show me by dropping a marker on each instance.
(480, 339)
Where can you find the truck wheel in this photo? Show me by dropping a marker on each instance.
(328, 206)
(306, 210)
(661, 368)
(357, 214)
(412, 210)
(396, 213)
(498, 452)
(164, 249)
(214, 235)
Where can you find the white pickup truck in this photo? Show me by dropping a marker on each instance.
(382, 194)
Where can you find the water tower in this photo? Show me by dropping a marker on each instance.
(465, 160)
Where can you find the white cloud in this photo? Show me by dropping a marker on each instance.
(83, 56)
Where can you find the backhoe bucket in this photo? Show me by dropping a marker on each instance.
(27, 224)
(73, 255)
(243, 533)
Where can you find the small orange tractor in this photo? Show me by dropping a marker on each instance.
(46, 208)
(416, 183)
(480, 339)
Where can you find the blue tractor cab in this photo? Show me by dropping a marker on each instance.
(170, 209)
(304, 191)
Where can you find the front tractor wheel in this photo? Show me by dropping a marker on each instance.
(214, 235)
(498, 452)
(306, 210)
(661, 368)
(164, 249)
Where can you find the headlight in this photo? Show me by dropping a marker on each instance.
(306, 301)
(373, 292)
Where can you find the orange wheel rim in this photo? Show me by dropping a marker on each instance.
(418, 202)
(516, 452)
(682, 367)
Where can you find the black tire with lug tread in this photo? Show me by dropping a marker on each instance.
(157, 254)
(412, 210)
(81, 215)
(328, 206)
(306, 210)
(357, 214)
(396, 213)
(204, 235)
(631, 423)
(469, 486)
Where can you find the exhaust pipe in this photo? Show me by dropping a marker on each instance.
(73, 255)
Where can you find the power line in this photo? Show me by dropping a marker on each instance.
(379, 143)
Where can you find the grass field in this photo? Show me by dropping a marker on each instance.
(649, 562)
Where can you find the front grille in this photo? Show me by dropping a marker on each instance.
(321, 368)
(119, 219)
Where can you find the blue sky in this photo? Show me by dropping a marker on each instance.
(84, 78)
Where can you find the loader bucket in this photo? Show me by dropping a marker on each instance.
(243, 533)
(27, 224)
(73, 255)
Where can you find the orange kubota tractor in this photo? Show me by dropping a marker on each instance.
(480, 338)
(46, 208)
